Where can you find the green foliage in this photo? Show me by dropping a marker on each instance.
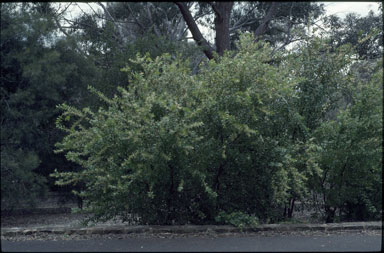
(241, 139)
(325, 83)
(348, 150)
(136, 148)
(177, 147)
(40, 72)
(237, 219)
(19, 184)
(338, 134)
(110, 48)
(364, 33)
(250, 165)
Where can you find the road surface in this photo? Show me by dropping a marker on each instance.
(336, 242)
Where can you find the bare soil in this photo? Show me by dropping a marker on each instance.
(39, 220)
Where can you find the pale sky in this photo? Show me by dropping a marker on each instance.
(342, 8)
(338, 8)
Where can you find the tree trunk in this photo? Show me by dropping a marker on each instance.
(170, 214)
(222, 20)
(222, 17)
(330, 214)
(217, 179)
(79, 202)
(291, 207)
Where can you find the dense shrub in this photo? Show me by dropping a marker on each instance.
(236, 143)
(348, 151)
(176, 147)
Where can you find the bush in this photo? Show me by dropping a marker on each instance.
(243, 138)
(348, 152)
(237, 219)
(177, 147)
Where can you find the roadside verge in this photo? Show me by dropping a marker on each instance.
(185, 229)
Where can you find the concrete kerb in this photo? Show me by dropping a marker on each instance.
(185, 229)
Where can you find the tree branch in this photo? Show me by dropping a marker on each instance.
(268, 17)
(215, 9)
(245, 23)
(65, 9)
(242, 21)
(157, 32)
(60, 27)
(197, 36)
(134, 17)
(119, 36)
(90, 6)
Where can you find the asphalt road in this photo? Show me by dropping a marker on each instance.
(277, 243)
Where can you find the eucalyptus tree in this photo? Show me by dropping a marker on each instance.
(280, 23)
(276, 22)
